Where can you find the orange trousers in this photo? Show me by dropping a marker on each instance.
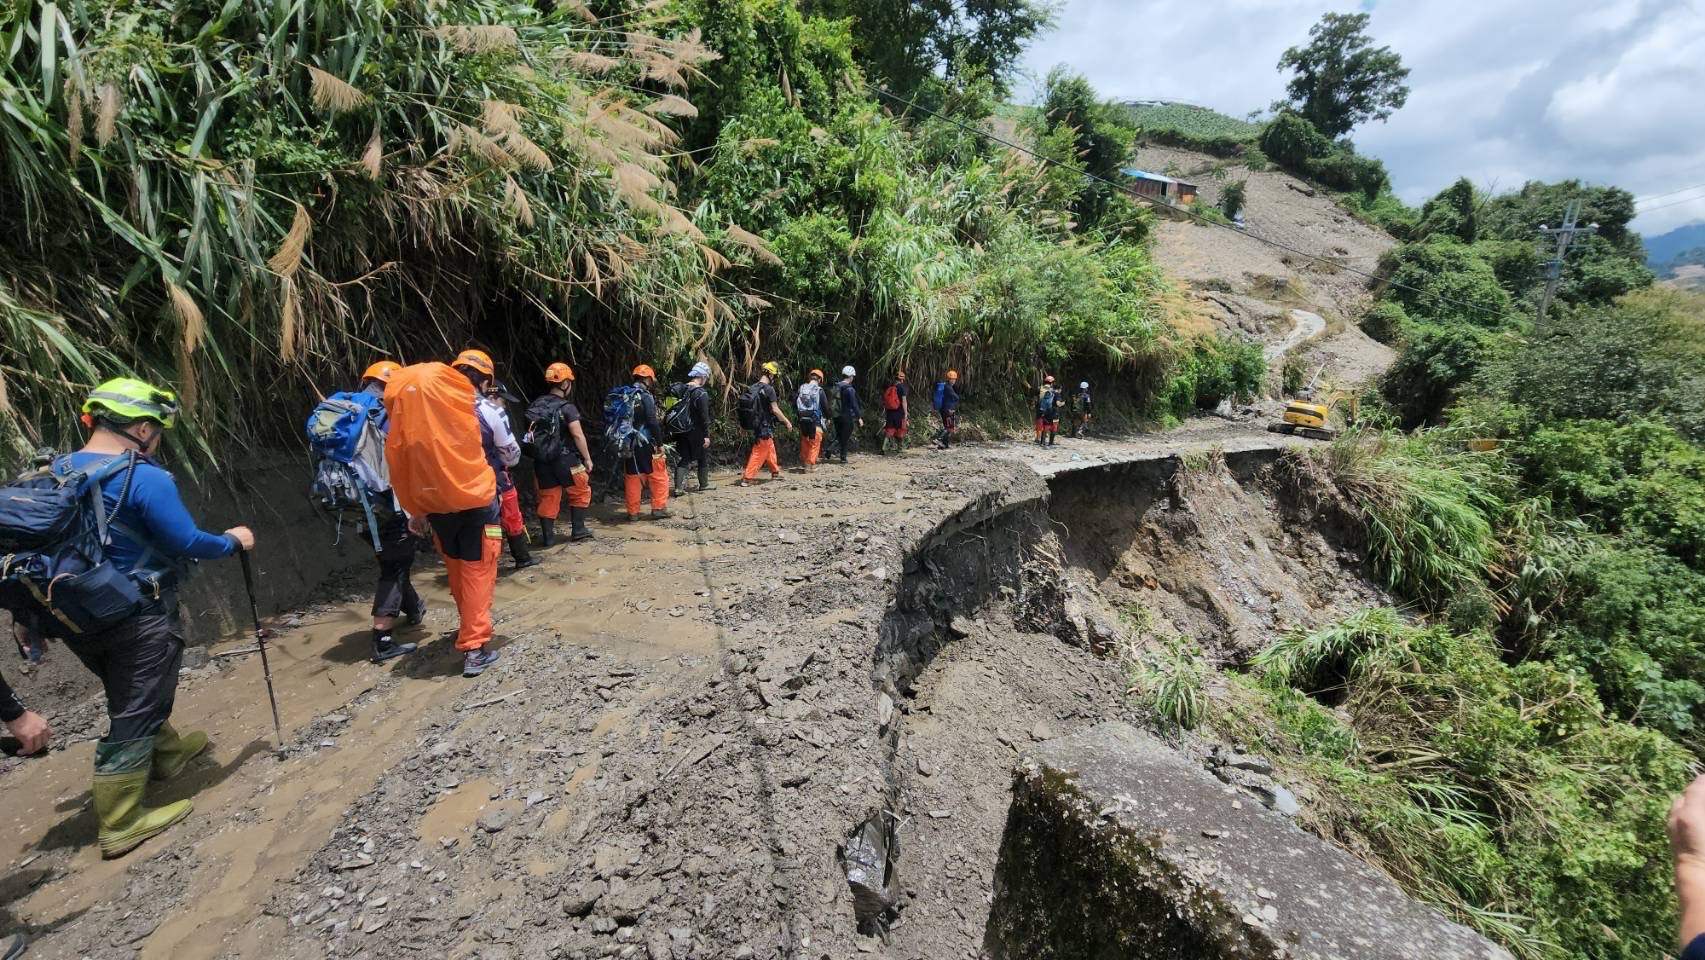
(763, 454)
(472, 582)
(550, 498)
(810, 447)
(658, 479)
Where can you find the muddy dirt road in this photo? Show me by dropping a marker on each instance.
(681, 730)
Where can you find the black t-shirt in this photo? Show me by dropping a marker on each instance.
(560, 472)
(766, 397)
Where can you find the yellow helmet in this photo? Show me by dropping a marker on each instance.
(128, 399)
(772, 368)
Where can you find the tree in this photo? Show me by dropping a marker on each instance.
(902, 43)
(1101, 138)
(1341, 79)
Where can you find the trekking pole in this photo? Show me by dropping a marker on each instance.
(260, 643)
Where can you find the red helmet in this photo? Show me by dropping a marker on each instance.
(381, 371)
(558, 372)
(476, 360)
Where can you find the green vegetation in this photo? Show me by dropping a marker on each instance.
(249, 206)
(1341, 80)
(1192, 127)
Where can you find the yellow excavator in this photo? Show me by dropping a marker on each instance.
(1310, 418)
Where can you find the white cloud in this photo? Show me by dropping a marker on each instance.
(1502, 92)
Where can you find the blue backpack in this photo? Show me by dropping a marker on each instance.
(1049, 402)
(343, 430)
(940, 393)
(54, 571)
(621, 408)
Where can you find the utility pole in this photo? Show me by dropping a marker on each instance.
(1554, 268)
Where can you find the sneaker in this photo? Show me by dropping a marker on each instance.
(659, 515)
(743, 482)
(388, 649)
(476, 661)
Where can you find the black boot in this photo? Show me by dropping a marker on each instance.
(547, 531)
(577, 516)
(1051, 436)
(523, 557)
(704, 477)
(386, 648)
(680, 480)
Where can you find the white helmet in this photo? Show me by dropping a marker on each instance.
(848, 371)
(1084, 385)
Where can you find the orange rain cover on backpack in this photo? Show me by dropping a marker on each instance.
(434, 450)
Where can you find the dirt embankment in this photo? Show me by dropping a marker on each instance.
(1257, 289)
(689, 719)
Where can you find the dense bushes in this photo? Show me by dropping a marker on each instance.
(1294, 144)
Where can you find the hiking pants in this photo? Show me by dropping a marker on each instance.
(579, 496)
(763, 455)
(1046, 425)
(949, 426)
(137, 662)
(844, 435)
(646, 468)
(470, 542)
(810, 441)
(394, 595)
(690, 448)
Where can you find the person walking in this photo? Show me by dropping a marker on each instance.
(648, 463)
(809, 405)
(896, 412)
(33, 735)
(441, 452)
(1084, 406)
(394, 595)
(693, 446)
(505, 452)
(763, 412)
(947, 407)
(153, 538)
(562, 461)
(1047, 412)
(848, 411)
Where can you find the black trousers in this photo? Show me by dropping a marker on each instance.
(690, 449)
(394, 594)
(138, 663)
(843, 435)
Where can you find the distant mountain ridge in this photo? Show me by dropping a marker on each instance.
(1664, 247)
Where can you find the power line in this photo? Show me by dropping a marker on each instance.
(1672, 203)
(1660, 196)
(1186, 211)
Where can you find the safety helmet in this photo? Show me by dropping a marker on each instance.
(380, 371)
(817, 373)
(1048, 379)
(848, 371)
(558, 372)
(644, 370)
(1084, 385)
(127, 399)
(952, 374)
(477, 360)
(772, 368)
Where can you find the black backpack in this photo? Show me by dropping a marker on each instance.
(678, 420)
(54, 571)
(750, 401)
(543, 439)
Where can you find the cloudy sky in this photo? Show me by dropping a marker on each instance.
(1504, 91)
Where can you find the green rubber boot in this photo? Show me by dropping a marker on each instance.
(121, 776)
(172, 752)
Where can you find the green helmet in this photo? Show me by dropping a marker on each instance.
(127, 399)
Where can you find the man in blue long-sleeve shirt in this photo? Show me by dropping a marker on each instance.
(153, 539)
(847, 410)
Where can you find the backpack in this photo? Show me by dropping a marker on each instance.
(543, 439)
(747, 411)
(435, 452)
(54, 571)
(1049, 401)
(678, 420)
(891, 397)
(940, 394)
(621, 408)
(346, 435)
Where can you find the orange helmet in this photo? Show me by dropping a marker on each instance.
(477, 360)
(380, 371)
(952, 374)
(817, 373)
(558, 372)
(644, 370)
(1048, 379)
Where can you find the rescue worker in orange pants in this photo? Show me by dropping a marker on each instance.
(557, 442)
(767, 414)
(440, 452)
(649, 463)
(809, 405)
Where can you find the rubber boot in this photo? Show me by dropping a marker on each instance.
(1051, 436)
(678, 480)
(174, 751)
(547, 531)
(523, 557)
(121, 776)
(704, 478)
(577, 516)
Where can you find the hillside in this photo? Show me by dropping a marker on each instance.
(1685, 270)
(1664, 247)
